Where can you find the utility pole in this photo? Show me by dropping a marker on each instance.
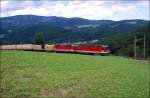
(34, 42)
(53, 42)
(135, 49)
(69, 41)
(144, 46)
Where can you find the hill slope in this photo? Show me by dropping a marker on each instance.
(123, 43)
(21, 29)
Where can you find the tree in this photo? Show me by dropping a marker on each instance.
(39, 39)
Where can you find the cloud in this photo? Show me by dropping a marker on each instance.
(115, 10)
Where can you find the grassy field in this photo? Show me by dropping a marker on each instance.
(26, 74)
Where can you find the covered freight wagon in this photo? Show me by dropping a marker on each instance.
(49, 47)
(17, 47)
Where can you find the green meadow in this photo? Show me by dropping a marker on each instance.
(28, 74)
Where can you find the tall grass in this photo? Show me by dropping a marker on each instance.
(58, 75)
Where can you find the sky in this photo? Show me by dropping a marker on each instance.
(88, 9)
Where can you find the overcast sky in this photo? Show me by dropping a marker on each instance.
(97, 10)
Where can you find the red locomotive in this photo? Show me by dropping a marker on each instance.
(64, 48)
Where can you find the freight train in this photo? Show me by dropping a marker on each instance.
(86, 49)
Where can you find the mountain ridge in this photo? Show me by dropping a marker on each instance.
(22, 28)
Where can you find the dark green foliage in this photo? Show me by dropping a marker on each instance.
(39, 38)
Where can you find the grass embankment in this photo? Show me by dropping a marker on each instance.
(58, 75)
